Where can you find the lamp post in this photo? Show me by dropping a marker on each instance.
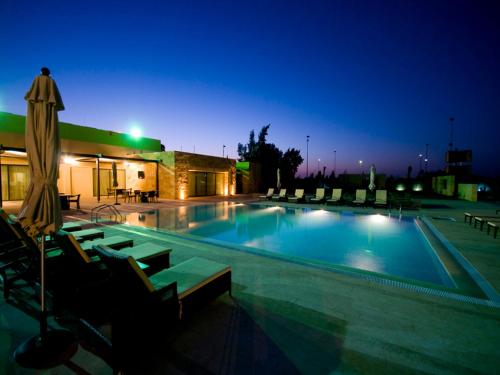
(420, 160)
(450, 145)
(360, 162)
(223, 147)
(318, 164)
(426, 160)
(335, 162)
(307, 157)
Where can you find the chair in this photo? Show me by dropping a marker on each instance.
(72, 226)
(127, 196)
(152, 196)
(297, 197)
(280, 196)
(269, 194)
(153, 256)
(111, 192)
(75, 198)
(137, 194)
(336, 196)
(193, 281)
(360, 197)
(380, 198)
(320, 196)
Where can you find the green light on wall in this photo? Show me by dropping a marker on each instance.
(135, 132)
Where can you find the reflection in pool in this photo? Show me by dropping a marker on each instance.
(376, 243)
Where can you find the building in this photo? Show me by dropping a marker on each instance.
(87, 159)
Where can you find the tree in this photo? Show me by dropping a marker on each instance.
(270, 158)
(289, 164)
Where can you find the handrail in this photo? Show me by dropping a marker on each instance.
(114, 212)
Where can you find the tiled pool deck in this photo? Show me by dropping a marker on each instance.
(290, 318)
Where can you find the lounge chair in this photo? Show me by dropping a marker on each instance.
(336, 196)
(320, 196)
(154, 256)
(380, 198)
(72, 226)
(279, 197)
(297, 197)
(269, 194)
(360, 197)
(193, 281)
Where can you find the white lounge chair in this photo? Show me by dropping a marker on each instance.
(360, 197)
(269, 194)
(380, 198)
(320, 196)
(297, 197)
(280, 196)
(336, 196)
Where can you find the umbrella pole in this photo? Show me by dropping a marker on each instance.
(52, 347)
(43, 311)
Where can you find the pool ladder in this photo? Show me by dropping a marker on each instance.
(114, 214)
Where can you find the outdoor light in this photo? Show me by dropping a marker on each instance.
(136, 132)
(417, 187)
(400, 187)
(68, 160)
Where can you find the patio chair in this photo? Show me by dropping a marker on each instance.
(280, 196)
(192, 282)
(320, 196)
(360, 197)
(75, 198)
(380, 198)
(155, 256)
(152, 196)
(336, 196)
(297, 197)
(269, 194)
(72, 226)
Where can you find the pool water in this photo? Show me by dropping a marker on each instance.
(371, 242)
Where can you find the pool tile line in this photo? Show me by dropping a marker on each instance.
(485, 286)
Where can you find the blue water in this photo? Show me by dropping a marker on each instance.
(377, 243)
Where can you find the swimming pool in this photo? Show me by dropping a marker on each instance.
(386, 245)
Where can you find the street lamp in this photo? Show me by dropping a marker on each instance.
(420, 159)
(426, 160)
(307, 158)
(223, 147)
(318, 164)
(335, 162)
(360, 162)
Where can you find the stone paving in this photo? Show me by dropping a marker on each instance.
(291, 318)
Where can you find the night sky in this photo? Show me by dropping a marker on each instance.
(373, 80)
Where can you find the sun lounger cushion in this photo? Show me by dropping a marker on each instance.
(87, 234)
(72, 226)
(115, 242)
(190, 275)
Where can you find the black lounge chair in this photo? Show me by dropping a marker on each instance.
(155, 257)
(193, 281)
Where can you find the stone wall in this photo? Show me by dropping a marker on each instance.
(174, 168)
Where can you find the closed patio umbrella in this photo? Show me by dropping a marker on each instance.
(278, 178)
(40, 212)
(114, 173)
(373, 171)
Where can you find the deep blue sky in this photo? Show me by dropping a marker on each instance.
(373, 80)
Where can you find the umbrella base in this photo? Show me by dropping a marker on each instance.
(55, 348)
